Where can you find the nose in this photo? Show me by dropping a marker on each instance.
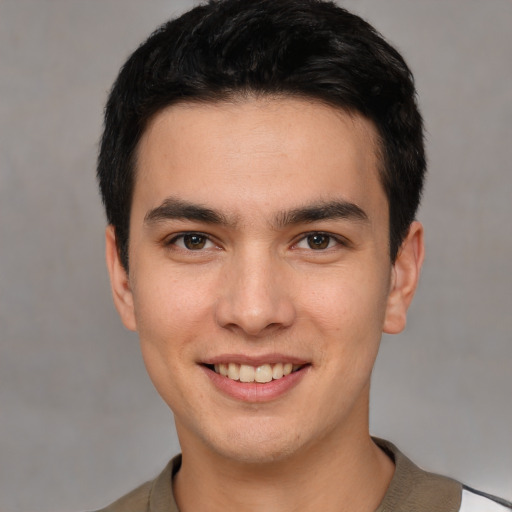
(255, 298)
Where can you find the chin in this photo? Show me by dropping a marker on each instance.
(257, 454)
(257, 446)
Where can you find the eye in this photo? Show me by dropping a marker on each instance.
(192, 242)
(318, 242)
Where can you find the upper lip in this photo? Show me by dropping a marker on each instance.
(254, 360)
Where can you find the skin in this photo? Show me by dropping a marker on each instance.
(257, 284)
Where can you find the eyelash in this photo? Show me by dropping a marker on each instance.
(303, 238)
(331, 238)
(173, 241)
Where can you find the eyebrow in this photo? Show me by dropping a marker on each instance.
(173, 208)
(328, 210)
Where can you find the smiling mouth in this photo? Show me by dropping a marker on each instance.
(261, 374)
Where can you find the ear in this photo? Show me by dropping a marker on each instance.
(119, 281)
(404, 279)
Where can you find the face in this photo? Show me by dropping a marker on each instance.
(260, 279)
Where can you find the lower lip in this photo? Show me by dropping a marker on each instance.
(255, 391)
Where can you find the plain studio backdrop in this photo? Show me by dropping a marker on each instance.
(80, 423)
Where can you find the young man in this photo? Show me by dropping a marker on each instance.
(261, 166)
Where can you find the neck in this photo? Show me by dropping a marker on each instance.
(341, 474)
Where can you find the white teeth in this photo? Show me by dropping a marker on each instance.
(277, 371)
(234, 371)
(263, 373)
(246, 373)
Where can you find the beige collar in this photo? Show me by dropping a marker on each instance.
(411, 488)
(414, 490)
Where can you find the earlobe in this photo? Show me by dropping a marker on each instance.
(404, 280)
(119, 281)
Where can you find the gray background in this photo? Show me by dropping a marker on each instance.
(80, 423)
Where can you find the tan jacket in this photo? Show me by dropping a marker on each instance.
(411, 490)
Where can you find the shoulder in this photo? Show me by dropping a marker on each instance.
(155, 495)
(135, 501)
(414, 490)
(477, 501)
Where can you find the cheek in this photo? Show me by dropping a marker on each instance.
(169, 319)
(348, 299)
(348, 309)
(166, 302)
(172, 316)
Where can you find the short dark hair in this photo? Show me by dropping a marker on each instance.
(304, 48)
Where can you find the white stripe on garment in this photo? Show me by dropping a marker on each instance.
(472, 502)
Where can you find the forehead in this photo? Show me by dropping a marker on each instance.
(260, 153)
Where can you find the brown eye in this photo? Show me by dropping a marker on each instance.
(194, 241)
(318, 241)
